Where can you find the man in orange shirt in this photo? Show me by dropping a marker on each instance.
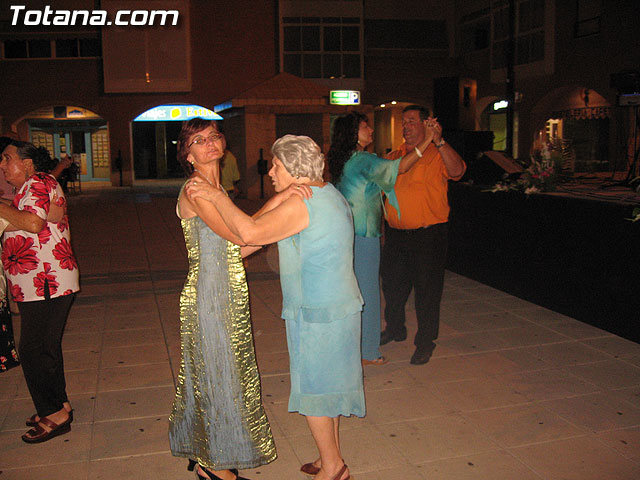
(415, 247)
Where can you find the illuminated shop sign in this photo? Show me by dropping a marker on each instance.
(344, 97)
(176, 113)
(500, 105)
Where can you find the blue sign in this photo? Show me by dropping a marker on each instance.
(176, 113)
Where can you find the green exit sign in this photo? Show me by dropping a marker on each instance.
(344, 97)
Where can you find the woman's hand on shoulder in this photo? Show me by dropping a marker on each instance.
(197, 187)
(293, 190)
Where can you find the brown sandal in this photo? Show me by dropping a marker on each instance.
(341, 472)
(309, 469)
(38, 434)
(32, 422)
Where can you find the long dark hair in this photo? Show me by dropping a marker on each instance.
(344, 141)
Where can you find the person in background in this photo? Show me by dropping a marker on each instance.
(8, 353)
(42, 274)
(362, 178)
(321, 300)
(229, 173)
(415, 248)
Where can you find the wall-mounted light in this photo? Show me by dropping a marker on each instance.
(500, 105)
(382, 105)
(394, 102)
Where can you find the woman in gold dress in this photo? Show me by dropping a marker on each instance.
(218, 419)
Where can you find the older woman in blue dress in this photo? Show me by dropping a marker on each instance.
(321, 300)
(362, 177)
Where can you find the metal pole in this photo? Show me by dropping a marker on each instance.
(511, 89)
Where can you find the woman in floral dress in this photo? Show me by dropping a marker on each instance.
(42, 275)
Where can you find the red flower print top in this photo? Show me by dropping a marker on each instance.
(31, 259)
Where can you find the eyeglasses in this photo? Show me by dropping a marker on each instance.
(199, 140)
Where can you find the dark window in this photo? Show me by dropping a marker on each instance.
(90, 47)
(350, 20)
(293, 64)
(15, 49)
(475, 35)
(350, 39)
(331, 65)
(311, 66)
(331, 20)
(66, 47)
(588, 17)
(501, 24)
(290, 19)
(332, 39)
(419, 34)
(39, 48)
(311, 38)
(292, 39)
(351, 66)
(310, 20)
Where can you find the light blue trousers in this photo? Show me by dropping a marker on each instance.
(366, 265)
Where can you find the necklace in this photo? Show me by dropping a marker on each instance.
(219, 187)
(204, 176)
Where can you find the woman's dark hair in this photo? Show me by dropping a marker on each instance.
(190, 127)
(42, 161)
(4, 141)
(344, 141)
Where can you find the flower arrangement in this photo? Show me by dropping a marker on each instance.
(542, 174)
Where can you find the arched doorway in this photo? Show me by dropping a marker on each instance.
(579, 118)
(74, 131)
(155, 135)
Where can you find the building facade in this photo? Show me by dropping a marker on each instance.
(82, 89)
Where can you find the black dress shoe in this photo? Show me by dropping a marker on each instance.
(387, 335)
(422, 355)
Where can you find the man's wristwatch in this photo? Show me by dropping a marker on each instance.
(441, 144)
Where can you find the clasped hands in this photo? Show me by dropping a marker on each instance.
(433, 128)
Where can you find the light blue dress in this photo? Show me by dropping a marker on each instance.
(321, 307)
(364, 177)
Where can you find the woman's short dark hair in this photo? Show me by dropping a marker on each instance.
(344, 141)
(42, 161)
(189, 128)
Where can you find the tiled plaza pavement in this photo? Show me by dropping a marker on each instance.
(513, 391)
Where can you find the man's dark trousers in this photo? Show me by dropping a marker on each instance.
(414, 259)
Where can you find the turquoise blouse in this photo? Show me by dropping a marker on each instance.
(364, 178)
(316, 265)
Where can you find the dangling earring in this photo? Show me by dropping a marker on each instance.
(297, 177)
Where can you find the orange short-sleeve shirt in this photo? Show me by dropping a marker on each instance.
(421, 191)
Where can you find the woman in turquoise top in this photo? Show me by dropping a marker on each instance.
(362, 177)
(313, 225)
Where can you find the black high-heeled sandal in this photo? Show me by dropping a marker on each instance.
(192, 467)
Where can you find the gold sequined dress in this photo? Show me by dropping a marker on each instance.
(217, 418)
